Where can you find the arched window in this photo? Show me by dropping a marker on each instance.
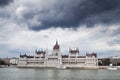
(56, 54)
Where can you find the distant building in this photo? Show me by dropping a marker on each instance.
(115, 60)
(5, 61)
(13, 61)
(73, 59)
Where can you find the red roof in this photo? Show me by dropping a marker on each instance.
(40, 52)
(64, 56)
(81, 57)
(91, 55)
(22, 56)
(74, 51)
(56, 46)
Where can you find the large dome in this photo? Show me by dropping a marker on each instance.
(56, 46)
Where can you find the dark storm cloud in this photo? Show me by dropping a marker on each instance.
(72, 13)
(5, 2)
(116, 32)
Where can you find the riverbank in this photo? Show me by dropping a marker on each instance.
(81, 67)
(5, 66)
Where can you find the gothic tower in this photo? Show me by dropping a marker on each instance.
(56, 49)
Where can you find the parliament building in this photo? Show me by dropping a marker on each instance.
(42, 59)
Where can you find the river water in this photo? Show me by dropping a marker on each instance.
(57, 74)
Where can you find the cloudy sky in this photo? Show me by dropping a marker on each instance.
(90, 25)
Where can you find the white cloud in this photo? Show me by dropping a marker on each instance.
(19, 11)
(15, 38)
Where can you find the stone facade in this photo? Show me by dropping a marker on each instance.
(13, 61)
(73, 59)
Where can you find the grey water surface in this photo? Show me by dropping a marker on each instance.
(57, 74)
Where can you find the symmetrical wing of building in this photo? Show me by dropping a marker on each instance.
(73, 59)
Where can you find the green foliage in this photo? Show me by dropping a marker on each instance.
(2, 62)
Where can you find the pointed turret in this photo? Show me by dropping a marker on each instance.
(56, 45)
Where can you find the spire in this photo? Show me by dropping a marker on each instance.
(56, 42)
(56, 46)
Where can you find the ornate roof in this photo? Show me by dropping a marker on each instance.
(56, 46)
(74, 51)
(91, 55)
(40, 52)
(64, 56)
(22, 56)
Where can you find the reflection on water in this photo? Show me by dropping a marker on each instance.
(56, 74)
